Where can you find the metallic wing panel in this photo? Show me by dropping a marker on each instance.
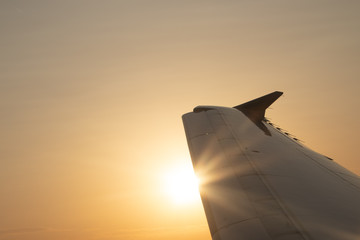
(261, 184)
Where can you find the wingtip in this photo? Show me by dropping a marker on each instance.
(255, 109)
(278, 93)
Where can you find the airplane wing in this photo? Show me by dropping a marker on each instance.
(259, 183)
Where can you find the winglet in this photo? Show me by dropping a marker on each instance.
(255, 109)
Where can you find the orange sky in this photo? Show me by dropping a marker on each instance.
(92, 93)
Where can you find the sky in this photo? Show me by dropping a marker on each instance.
(92, 93)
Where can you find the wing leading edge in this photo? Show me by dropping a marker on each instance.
(257, 183)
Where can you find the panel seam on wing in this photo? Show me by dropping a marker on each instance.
(262, 177)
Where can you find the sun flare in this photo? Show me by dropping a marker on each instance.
(182, 185)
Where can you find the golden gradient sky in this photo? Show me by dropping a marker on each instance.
(92, 93)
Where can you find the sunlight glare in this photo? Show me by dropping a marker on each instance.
(182, 185)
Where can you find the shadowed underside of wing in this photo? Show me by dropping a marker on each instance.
(258, 184)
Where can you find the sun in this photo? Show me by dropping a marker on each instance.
(182, 185)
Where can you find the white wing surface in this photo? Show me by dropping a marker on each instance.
(258, 183)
